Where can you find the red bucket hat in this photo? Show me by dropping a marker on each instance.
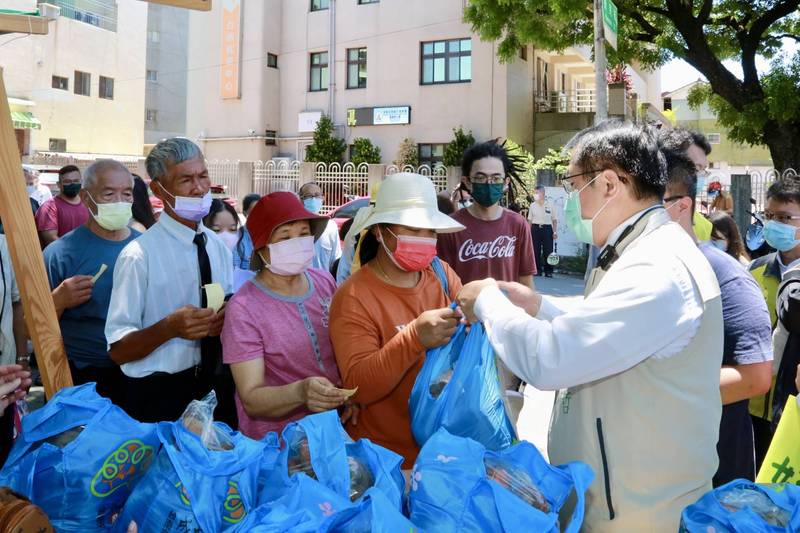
(277, 209)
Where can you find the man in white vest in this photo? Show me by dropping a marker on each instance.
(636, 362)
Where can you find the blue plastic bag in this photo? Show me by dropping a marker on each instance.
(206, 477)
(742, 506)
(459, 389)
(374, 514)
(318, 446)
(453, 491)
(78, 458)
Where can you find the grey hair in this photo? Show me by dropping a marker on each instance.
(30, 170)
(100, 167)
(170, 152)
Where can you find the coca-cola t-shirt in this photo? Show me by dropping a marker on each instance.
(499, 249)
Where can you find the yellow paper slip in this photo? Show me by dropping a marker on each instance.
(215, 296)
(348, 392)
(782, 463)
(103, 268)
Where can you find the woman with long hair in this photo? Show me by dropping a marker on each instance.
(726, 236)
(143, 216)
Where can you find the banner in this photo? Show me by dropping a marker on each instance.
(782, 463)
(231, 49)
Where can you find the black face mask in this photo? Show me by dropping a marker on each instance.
(71, 190)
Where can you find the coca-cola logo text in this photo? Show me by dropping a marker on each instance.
(503, 246)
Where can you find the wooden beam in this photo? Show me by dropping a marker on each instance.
(199, 5)
(23, 24)
(26, 256)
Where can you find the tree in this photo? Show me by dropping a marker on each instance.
(456, 148)
(758, 109)
(365, 152)
(326, 148)
(407, 154)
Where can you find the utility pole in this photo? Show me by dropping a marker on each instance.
(601, 87)
(332, 63)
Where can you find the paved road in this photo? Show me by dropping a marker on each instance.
(535, 416)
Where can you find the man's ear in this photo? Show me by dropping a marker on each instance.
(686, 203)
(612, 181)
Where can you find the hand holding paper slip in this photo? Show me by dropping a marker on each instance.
(100, 272)
(215, 296)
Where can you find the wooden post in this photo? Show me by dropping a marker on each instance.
(26, 256)
(742, 191)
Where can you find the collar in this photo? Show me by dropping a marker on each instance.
(642, 222)
(782, 267)
(614, 235)
(177, 230)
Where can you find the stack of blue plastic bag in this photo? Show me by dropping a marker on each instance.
(742, 506)
(206, 477)
(78, 458)
(458, 485)
(458, 389)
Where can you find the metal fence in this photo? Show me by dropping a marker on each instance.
(272, 176)
(225, 172)
(341, 183)
(437, 173)
(578, 101)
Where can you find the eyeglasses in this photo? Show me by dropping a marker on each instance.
(780, 217)
(567, 183)
(309, 196)
(669, 199)
(483, 178)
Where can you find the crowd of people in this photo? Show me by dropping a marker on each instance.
(664, 370)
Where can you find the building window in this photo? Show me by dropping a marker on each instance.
(431, 154)
(272, 61)
(714, 138)
(61, 83)
(356, 68)
(58, 145)
(152, 75)
(83, 82)
(154, 36)
(447, 61)
(523, 53)
(150, 115)
(319, 71)
(363, 2)
(667, 104)
(563, 82)
(271, 137)
(106, 88)
(319, 5)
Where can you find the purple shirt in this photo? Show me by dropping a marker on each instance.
(60, 215)
(289, 333)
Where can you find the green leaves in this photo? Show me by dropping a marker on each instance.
(326, 148)
(365, 152)
(454, 151)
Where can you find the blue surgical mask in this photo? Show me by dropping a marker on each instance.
(781, 236)
(581, 227)
(722, 244)
(313, 204)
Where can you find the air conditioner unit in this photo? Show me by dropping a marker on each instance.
(49, 11)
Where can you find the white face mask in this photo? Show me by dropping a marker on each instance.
(230, 238)
(290, 257)
(191, 208)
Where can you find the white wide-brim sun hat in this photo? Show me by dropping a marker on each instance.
(406, 199)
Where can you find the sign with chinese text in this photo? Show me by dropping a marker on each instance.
(782, 463)
(610, 23)
(230, 71)
(378, 116)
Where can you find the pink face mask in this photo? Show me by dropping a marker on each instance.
(412, 254)
(290, 257)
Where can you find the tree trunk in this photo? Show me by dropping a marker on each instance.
(783, 141)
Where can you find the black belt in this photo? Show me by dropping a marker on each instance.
(542, 225)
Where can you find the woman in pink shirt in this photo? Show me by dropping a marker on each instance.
(276, 327)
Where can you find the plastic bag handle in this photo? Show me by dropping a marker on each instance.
(583, 476)
(32, 435)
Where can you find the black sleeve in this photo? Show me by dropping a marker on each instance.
(788, 304)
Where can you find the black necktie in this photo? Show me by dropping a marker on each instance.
(202, 259)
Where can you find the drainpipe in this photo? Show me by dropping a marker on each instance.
(601, 86)
(332, 62)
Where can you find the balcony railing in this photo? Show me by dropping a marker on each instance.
(579, 101)
(100, 13)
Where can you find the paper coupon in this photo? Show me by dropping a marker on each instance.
(215, 296)
(348, 392)
(103, 268)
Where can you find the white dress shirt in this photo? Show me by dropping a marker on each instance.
(542, 214)
(41, 194)
(155, 275)
(327, 249)
(9, 292)
(647, 305)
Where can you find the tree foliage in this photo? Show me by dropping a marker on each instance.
(702, 32)
(407, 154)
(456, 148)
(326, 148)
(365, 152)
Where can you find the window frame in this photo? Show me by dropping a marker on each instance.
(523, 52)
(154, 33)
(150, 115)
(368, 2)
(153, 79)
(103, 88)
(53, 82)
(714, 138)
(432, 161)
(312, 9)
(76, 86)
(321, 67)
(272, 60)
(357, 64)
(447, 55)
(59, 141)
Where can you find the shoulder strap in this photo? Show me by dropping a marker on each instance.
(438, 269)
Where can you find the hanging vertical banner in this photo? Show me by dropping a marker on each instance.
(230, 71)
(610, 23)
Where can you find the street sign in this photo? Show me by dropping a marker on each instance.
(200, 5)
(610, 23)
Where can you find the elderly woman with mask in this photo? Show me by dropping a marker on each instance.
(276, 327)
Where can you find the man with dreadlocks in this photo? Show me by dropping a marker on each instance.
(497, 241)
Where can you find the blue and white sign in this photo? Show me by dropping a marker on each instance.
(383, 116)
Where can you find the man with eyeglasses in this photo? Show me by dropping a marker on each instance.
(747, 357)
(782, 232)
(328, 248)
(636, 363)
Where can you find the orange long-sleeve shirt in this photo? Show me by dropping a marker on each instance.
(378, 351)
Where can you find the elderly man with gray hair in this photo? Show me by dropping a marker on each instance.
(76, 265)
(163, 324)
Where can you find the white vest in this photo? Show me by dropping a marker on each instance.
(649, 433)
